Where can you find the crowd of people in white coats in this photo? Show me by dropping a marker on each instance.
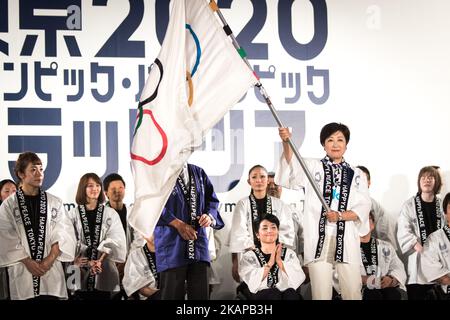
(348, 251)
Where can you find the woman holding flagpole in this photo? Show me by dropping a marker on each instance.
(331, 237)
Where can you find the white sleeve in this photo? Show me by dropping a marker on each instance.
(211, 243)
(130, 231)
(360, 202)
(294, 275)
(405, 230)
(137, 273)
(430, 262)
(114, 241)
(298, 218)
(251, 272)
(396, 267)
(12, 249)
(287, 231)
(290, 175)
(63, 232)
(241, 234)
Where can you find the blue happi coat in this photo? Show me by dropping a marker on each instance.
(170, 247)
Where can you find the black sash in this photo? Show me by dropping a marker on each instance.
(371, 267)
(344, 180)
(151, 264)
(191, 201)
(421, 220)
(255, 215)
(272, 276)
(347, 177)
(91, 242)
(36, 246)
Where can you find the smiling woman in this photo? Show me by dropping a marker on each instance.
(7, 187)
(252, 208)
(271, 271)
(331, 237)
(101, 242)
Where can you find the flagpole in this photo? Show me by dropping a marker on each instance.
(263, 92)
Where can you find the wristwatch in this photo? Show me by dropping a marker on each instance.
(340, 216)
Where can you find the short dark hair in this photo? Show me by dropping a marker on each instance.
(365, 170)
(269, 217)
(432, 171)
(271, 174)
(80, 198)
(23, 160)
(446, 202)
(255, 167)
(110, 178)
(331, 128)
(5, 181)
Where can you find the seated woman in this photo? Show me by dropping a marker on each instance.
(383, 274)
(435, 260)
(242, 236)
(271, 271)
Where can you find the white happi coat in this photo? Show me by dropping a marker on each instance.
(137, 273)
(297, 218)
(241, 233)
(112, 241)
(384, 229)
(435, 258)
(130, 233)
(292, 176)
(251, 272)
(14, 247)
(388, 263)
(408, 234)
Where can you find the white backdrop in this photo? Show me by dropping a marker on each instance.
(388, 64)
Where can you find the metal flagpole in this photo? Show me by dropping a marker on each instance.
(263, 92)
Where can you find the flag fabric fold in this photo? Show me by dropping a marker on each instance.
(196, 78)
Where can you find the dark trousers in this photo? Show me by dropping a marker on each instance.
(275, 294)
(155, 297)
(195, 276)
(440, 294)
(382, 294)
(44, 297)
(92, 295)
(420, 292)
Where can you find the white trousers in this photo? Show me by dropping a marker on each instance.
(321, 275)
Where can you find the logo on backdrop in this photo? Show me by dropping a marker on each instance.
(84, 107)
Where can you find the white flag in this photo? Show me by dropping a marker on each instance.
(197, 77)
